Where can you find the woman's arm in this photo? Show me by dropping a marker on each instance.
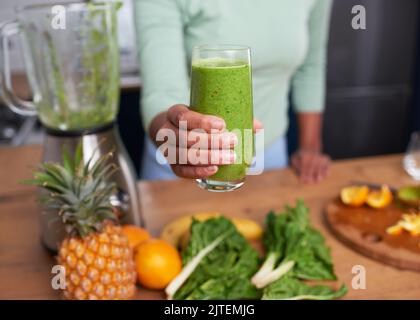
(310, 128)
(163, 65)
(165, 90)
(309, 98)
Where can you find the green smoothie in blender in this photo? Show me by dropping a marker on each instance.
(80, 87)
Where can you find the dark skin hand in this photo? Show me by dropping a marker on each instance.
(170, 120)
(309, 163)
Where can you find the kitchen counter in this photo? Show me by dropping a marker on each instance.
(25, 266)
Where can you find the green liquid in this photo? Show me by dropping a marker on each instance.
(89, 117)
(95, 100)
(224, 89)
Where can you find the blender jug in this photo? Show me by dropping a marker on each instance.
(71, 56)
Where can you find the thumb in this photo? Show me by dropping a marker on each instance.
(257, 125)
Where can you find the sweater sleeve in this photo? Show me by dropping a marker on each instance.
(162, 57)
(309, 81)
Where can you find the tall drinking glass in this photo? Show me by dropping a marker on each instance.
(412, 157)
(221, 85)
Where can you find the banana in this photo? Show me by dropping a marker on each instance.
(177, 231)
(248, 228)
(185, 238)
(174, 231)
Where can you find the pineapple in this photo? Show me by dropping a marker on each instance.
(96, 255)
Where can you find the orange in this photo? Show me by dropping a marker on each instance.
(379, 199)
(354, 196)
(135, 235)
(157, 263)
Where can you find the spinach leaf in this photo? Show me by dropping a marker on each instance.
(311, 256)
(291, 288)
(224, 273)
(292, 244)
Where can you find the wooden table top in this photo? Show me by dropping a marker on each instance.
(25, 266)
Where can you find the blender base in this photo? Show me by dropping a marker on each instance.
(96, 142)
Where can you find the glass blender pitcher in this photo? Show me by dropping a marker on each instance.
(71, 56)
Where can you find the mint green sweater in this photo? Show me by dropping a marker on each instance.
(288, 47)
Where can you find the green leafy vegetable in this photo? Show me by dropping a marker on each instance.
(292, 289)
(190, 267)
(293, 245)
(219, 262)
(225, 271)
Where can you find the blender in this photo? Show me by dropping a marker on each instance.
(71, 57)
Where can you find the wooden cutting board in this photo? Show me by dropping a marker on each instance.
(364, 230)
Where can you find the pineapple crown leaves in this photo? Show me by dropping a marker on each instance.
(79, 192)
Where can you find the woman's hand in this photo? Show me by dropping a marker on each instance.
(196, 147)
(311, 166)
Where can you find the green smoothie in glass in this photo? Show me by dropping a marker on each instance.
(221, 85)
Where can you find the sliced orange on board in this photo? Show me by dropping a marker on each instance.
(379, 199)
(410, 222)
(354, 196)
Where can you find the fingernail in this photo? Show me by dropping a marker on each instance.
(229, 140)
(218, 124)
(233, 140)
(232, 157)
(212, 169)
(228, 157)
